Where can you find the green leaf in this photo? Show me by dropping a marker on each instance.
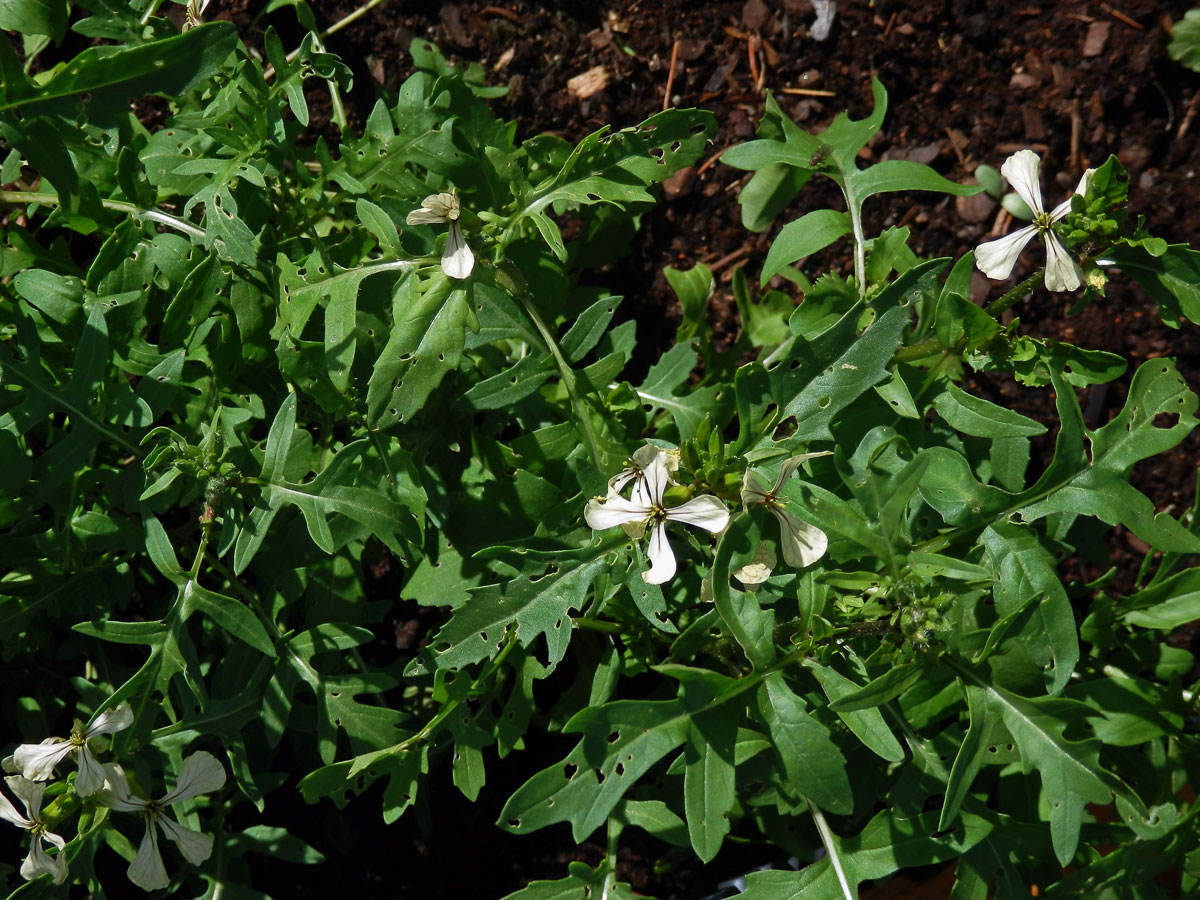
(888, 686)
(105, 78)
(905, 175)
(47, 17)
(1172, 278)
(1070, 769)
(811, 232)
(380, 224)
(768, 193)
(886, 845)
(981, 418)
(817, 379)
(868, 724)
(538, 604)
(621, 741)
(812, 763)
(658, 391)
(1166, 605)
(1184, 47)
(709, 789)
(425, 343)
(1100, 486)
(1024, 571)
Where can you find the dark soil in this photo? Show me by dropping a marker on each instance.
(970, 81)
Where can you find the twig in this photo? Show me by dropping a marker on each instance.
(1188, 116)
(808, 92)
(503, 13)
(1121, 17)
(708, 163)
(671, 75)
(751, 48)
(728, 259)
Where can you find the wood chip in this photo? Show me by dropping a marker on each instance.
(585, 84)
(1097, 36)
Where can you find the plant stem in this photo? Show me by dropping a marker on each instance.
(930, 346)
(566, 373)
(1026, 287)
(831, 850)
(337, 26)
(153, 215)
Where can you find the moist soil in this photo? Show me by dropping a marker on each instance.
(970, 82)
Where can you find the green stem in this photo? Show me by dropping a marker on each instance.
(154, 215)
(1026, 287)
(831, 850)
(332, 29)
(930, 346)
(610, 858)
(566, 373)
(597, 625)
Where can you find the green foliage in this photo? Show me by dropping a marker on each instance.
(245, 377)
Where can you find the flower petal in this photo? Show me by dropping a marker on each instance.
(37, 761)
(662, 558)
(791, 464)
(10, 812)
(195, 846)
(444, 204)
(111, 721)
(28, 792)
(147, 870)
(116, 793)
(1065, 207)
(200, 773)
(457, 258)
(424, 217)
(705, 511)
(91, 774)
(802, 544)
(1021, 170)
(1062, 272)
(39, 862)
(758, 569)
(613, 511)
(996, 259)
(657, 477)
(752, 490)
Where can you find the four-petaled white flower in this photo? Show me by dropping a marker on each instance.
(37, 761)
(38, 861)
(199, 774)
(996, 259)
(802, 544)
(645, 509)
(457, 258)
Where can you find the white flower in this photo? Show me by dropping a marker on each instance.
(645, 509)
(457, 258)
(802, 544)
(635, 468)
(38, 861)
(200, 774)
(759, 569)
(37, 761)
(996, 259)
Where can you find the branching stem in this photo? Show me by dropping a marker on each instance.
(154, 215)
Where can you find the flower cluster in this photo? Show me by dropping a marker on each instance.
(996, 259)
(201, 773)
(650, 472)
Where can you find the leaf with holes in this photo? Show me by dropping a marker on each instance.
(621, 741)
(537, 604)
(1100, 486)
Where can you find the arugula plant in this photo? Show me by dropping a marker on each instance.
(244, 373)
